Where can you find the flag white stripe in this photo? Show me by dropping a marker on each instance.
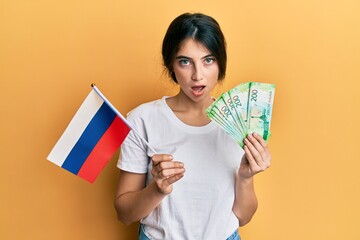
(75, 128)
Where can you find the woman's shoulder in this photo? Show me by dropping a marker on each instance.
(146, 109)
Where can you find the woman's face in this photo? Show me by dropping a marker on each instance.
(196, 70)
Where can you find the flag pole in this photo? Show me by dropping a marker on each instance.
(121, 116)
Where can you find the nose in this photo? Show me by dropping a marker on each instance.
(197, 74)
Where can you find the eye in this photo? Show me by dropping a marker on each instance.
(184, 62)
(209, 60)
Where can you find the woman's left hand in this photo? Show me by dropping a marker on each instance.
(256, 158)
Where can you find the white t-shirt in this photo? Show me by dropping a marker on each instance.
(200, 205)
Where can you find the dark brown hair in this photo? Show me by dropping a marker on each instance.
(203, 29)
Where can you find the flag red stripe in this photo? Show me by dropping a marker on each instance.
(104, 149)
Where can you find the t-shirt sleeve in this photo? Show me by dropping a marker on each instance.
(134, 152)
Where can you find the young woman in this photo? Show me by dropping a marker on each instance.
(199, 182)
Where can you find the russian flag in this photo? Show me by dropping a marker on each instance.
(92, 137)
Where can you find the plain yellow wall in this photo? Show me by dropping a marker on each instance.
(50, 52)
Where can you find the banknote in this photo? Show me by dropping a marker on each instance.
(227, 110)
(223, 118)
(245, 109)
(238, 101)
(259, 112)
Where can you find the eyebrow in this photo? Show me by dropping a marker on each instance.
(185, 57)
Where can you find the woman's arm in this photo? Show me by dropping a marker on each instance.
(245, 204)
(256, 159)
(134, 201)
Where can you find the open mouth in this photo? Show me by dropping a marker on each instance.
(198, 90)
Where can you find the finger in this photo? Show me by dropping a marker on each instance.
(254, 139)
(157, 158)
(262, 142)
(174, 178)
(253, 154)
(265, 153)
(171, 164)
(251, 161)
(168, 173)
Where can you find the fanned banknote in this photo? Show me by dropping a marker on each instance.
(261, 98)
(245, 109)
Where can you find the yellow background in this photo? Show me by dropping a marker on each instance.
(50, 52)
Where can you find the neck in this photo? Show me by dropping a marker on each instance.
(188, 111)
(184, 103)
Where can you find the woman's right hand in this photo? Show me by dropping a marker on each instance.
(165, 172)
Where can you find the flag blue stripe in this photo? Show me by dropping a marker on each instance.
(89, 138)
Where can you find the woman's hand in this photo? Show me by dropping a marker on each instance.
(256, 158)
(134, 200)
(165, 172)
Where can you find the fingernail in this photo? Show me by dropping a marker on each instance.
(170, 157)
(255, 134)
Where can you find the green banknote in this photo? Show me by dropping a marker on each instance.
(245, 109)
(259, 111)
(227, 109)
(219, 112)
(238, 101)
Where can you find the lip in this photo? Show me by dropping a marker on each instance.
(198, 90)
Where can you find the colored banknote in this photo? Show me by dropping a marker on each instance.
(261, 98)
(245, 109)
